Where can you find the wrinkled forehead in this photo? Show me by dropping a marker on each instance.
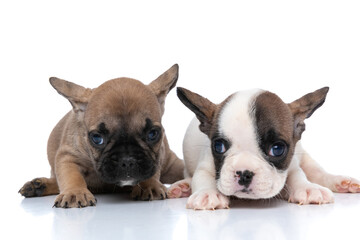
(129, 124)
(249, 115)
(122, 103)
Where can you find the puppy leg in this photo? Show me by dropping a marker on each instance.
(302, 191)
(72, 185)
(150, 189)
(40, 187)
(205, 194)
(336, 183)
(180, 189)
(173, 170)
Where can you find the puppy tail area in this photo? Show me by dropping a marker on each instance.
(39, 187)
(173, 170)
(180, 189)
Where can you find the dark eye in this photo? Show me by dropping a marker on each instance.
(153, 135)
(277, 149)
(220, 146)
(96, 138)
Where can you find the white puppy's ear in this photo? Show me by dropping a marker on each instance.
(304, 107)
(77, 95)
(202, 107)
(164, 83)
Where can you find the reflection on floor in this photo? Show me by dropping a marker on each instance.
(118, 217)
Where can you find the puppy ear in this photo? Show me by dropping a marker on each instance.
(164, 83)
(76, 94)
(202, 107)
(304, 107)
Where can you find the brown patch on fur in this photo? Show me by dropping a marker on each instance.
(277, 121)
(274, 122)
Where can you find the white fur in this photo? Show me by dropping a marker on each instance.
(236, 123)
(199, 165)
(127, 183)
(195, 145)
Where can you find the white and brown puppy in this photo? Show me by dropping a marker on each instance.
(248, 146)
(112, 137)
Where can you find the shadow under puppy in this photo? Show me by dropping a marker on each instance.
(248, 146)
(112, 137)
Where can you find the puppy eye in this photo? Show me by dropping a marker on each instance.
(96, 138)
(220, 146)
(153, 135)
(277, 149)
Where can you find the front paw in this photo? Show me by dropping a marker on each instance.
(75, 198)
(33, 188)
(311, 194)
(344, 184)
(149, 190)
(180, 189)
(207, 199)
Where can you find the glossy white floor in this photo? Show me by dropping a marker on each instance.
(118, 217)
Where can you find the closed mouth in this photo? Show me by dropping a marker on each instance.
(253, 195)
(244, 190)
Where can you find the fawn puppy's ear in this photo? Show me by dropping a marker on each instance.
(77, 95)
(164, 83)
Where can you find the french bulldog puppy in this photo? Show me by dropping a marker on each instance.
(248, 147)
(112, 137)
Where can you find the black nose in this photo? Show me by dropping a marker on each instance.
(245, 177)
(127, 163)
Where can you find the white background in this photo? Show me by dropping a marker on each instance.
(288, 47)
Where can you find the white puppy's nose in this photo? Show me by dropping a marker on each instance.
(245, 177)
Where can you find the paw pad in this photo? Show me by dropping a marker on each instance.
(179, 189)
(346, 185)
